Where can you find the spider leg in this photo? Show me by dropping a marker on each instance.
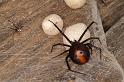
(66, 59)
(89, 48)
(96, 48)
(85, 31)
(69, 68)
(61, 32)
(59, 44)
(12, 28)
(13, 23)
(20, 25)
(61, 53)
(91, 39)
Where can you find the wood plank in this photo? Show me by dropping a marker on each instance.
(111, 12)
(26, 56)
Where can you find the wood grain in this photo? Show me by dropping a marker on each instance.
(111, 12)
(25, 56)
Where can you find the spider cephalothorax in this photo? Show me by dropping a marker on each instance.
(79, 52)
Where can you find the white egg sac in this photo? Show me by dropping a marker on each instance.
(74, 32)
(49, 28)
(74, 4)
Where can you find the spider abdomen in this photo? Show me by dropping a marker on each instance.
(79, 54)
(80, 57)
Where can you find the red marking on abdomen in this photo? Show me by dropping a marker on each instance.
(80, 57)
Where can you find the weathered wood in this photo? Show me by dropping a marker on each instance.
(111, 12)
(26, 56)
(115, 40)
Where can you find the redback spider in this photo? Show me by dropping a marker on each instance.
(79, 51)
(17, 26)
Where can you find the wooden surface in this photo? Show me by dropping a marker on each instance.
(111, 12)
(26, 57)
(115, 39)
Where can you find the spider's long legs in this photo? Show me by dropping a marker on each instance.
(61, 54)
(96, 48)
(85, 31)
(12, 28)
(69, 68)
(89, 48)
(91, 39)
(66, 59)
(77, 72)
(13, 23)
(59, 44)
(61, 32)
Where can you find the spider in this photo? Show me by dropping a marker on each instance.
(79, 52)
(17, 26)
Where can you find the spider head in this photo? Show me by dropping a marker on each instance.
(79, 53)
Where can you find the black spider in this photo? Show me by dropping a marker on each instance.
(79, 51)
(18, 26)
